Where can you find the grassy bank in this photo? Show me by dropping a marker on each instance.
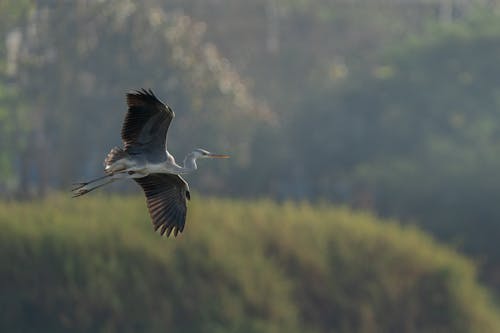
(95, 265)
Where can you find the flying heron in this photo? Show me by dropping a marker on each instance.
(145, 159)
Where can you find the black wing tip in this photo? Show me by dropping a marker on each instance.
(142, 93)
(167, 229)
(168, 225)
(160, 189)
(175, 224)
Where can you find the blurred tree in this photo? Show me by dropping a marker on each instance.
(321, 43)
(418, 138)
(14, 124)
(77, 61)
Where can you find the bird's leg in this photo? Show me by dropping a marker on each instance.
(80, 189)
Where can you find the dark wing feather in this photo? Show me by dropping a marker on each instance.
(146, 122)
(166, 197)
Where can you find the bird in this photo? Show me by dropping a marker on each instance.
(145, 159)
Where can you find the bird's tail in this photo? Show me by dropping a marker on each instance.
(80, 189)
(112, 162)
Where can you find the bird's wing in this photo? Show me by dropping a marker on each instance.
(146, 122)
(166, 197)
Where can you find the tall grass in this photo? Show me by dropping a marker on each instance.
(95, 265)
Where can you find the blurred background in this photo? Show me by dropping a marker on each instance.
(363, 192)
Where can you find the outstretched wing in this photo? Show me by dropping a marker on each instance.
(166, 197)
(147, 121)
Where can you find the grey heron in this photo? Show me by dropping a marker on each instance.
(145, 158)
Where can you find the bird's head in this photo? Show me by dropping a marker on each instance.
(202, 153)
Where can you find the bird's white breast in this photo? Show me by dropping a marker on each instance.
(156, 168)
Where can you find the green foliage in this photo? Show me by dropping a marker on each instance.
(95, 264)
(418, 137)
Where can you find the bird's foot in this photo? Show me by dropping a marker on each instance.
(79, 189)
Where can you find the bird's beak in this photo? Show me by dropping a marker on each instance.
(217, 156)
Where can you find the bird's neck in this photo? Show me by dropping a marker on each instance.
(189, 164)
